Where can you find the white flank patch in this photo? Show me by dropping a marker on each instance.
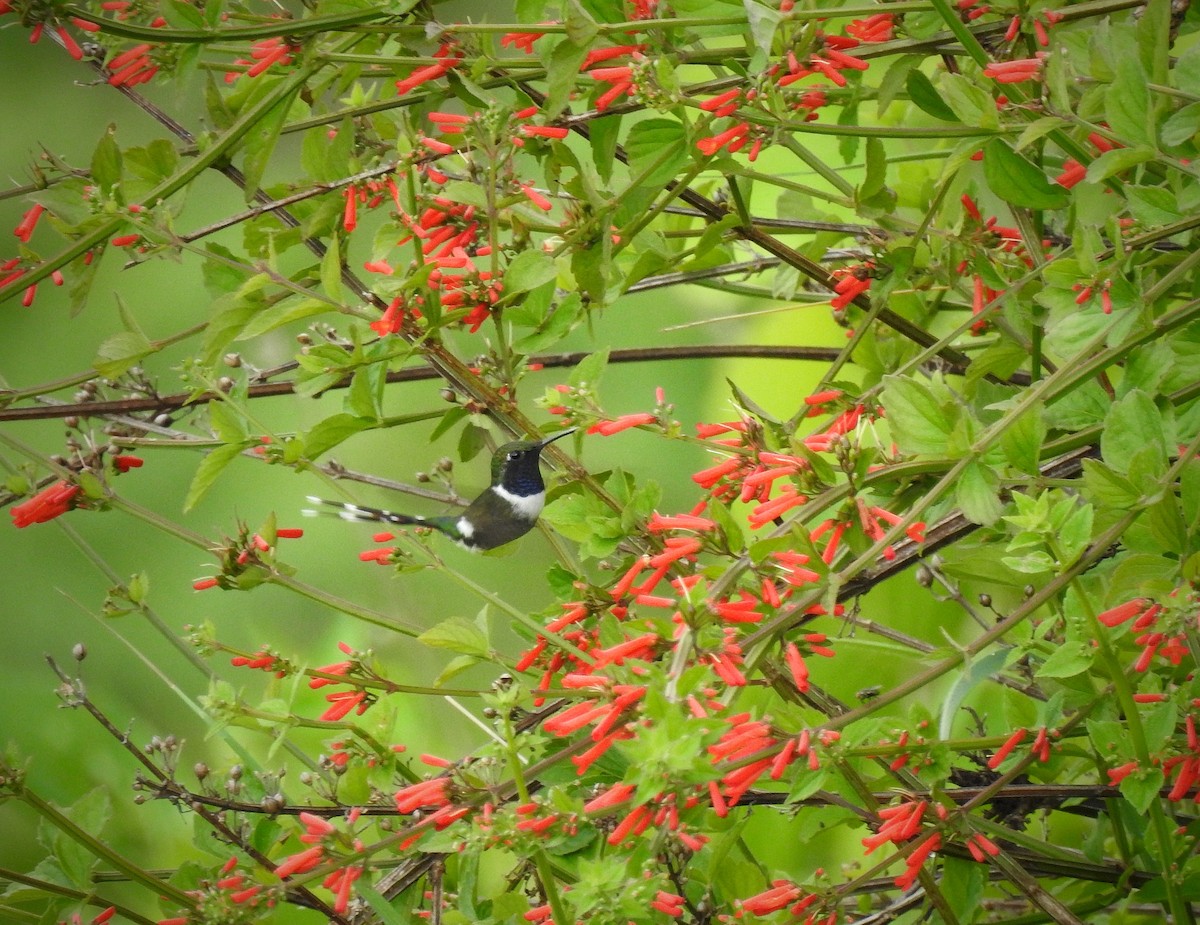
(526, 506)
(465, 527)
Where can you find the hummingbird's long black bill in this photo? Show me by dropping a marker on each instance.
(558, 436)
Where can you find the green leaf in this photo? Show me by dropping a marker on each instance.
(388, 914)
(454, 667)
(588, 371)
(1018, 182)
(226, 422)
(106, 164)
(1141, 788)
(763, 21)
(927, 98)
(458, 635)
(875, 181)
(971, 103)
(581, 27)
(918, 420)
(285, 312)
(561, 73)
(1107, 488)
(977, 494)
(1067, 660)
(976, 672)
(1022, 441)
(528, 270)
(1181, 126)
(121, 351)
(1039, 128)
(332, 431)
(1117, 161)
(211, 466)
(1133, 423)
(331, 269)
(1127, 103)
(260, 143)
(656, 150)
(1153, 205)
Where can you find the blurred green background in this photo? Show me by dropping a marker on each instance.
(53, 590)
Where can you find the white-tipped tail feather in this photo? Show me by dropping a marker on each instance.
(359, 514)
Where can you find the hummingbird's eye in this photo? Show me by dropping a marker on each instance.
(514, 455)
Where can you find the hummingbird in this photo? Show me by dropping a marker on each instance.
(506, 510)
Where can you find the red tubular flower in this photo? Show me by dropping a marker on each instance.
(1016, 71)
(854, 283)
(875, 28)
(545, 131)
(1003, 751)
(131, 67)
(522, 41)
(1122, 612)
(608, 54)
(782, 894)
(1119, 773)
(24, 229)
(729, 137)
(342, 703)
(795, 663)
(45, 505)
(422, 794)
(429, 72)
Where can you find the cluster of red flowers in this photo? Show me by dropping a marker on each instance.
(62, 496)
(11, 269)
(852, 282)
(830, 63)
(264, 54)
(237, 558)
(1040, 747)
(1145, 614)
(221, 899)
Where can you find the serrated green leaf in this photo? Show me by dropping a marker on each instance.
(458, 635)
(332, 431)
(1132, 424)
(528, 270)
(121, 351)
(1066, 661)
(581, 27)
(226, 421)
(763, 21)
(1018, 182)
(918, 420)
(561, 73)
(1039, 128)
(1181, 126)
(211, 466)
(1117, 161)
(1141, 788)
(1022, 441)
(977, 494)
(588, 371)
(106, 163)
(455, 666)
(1127, 103)
(657, 150)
